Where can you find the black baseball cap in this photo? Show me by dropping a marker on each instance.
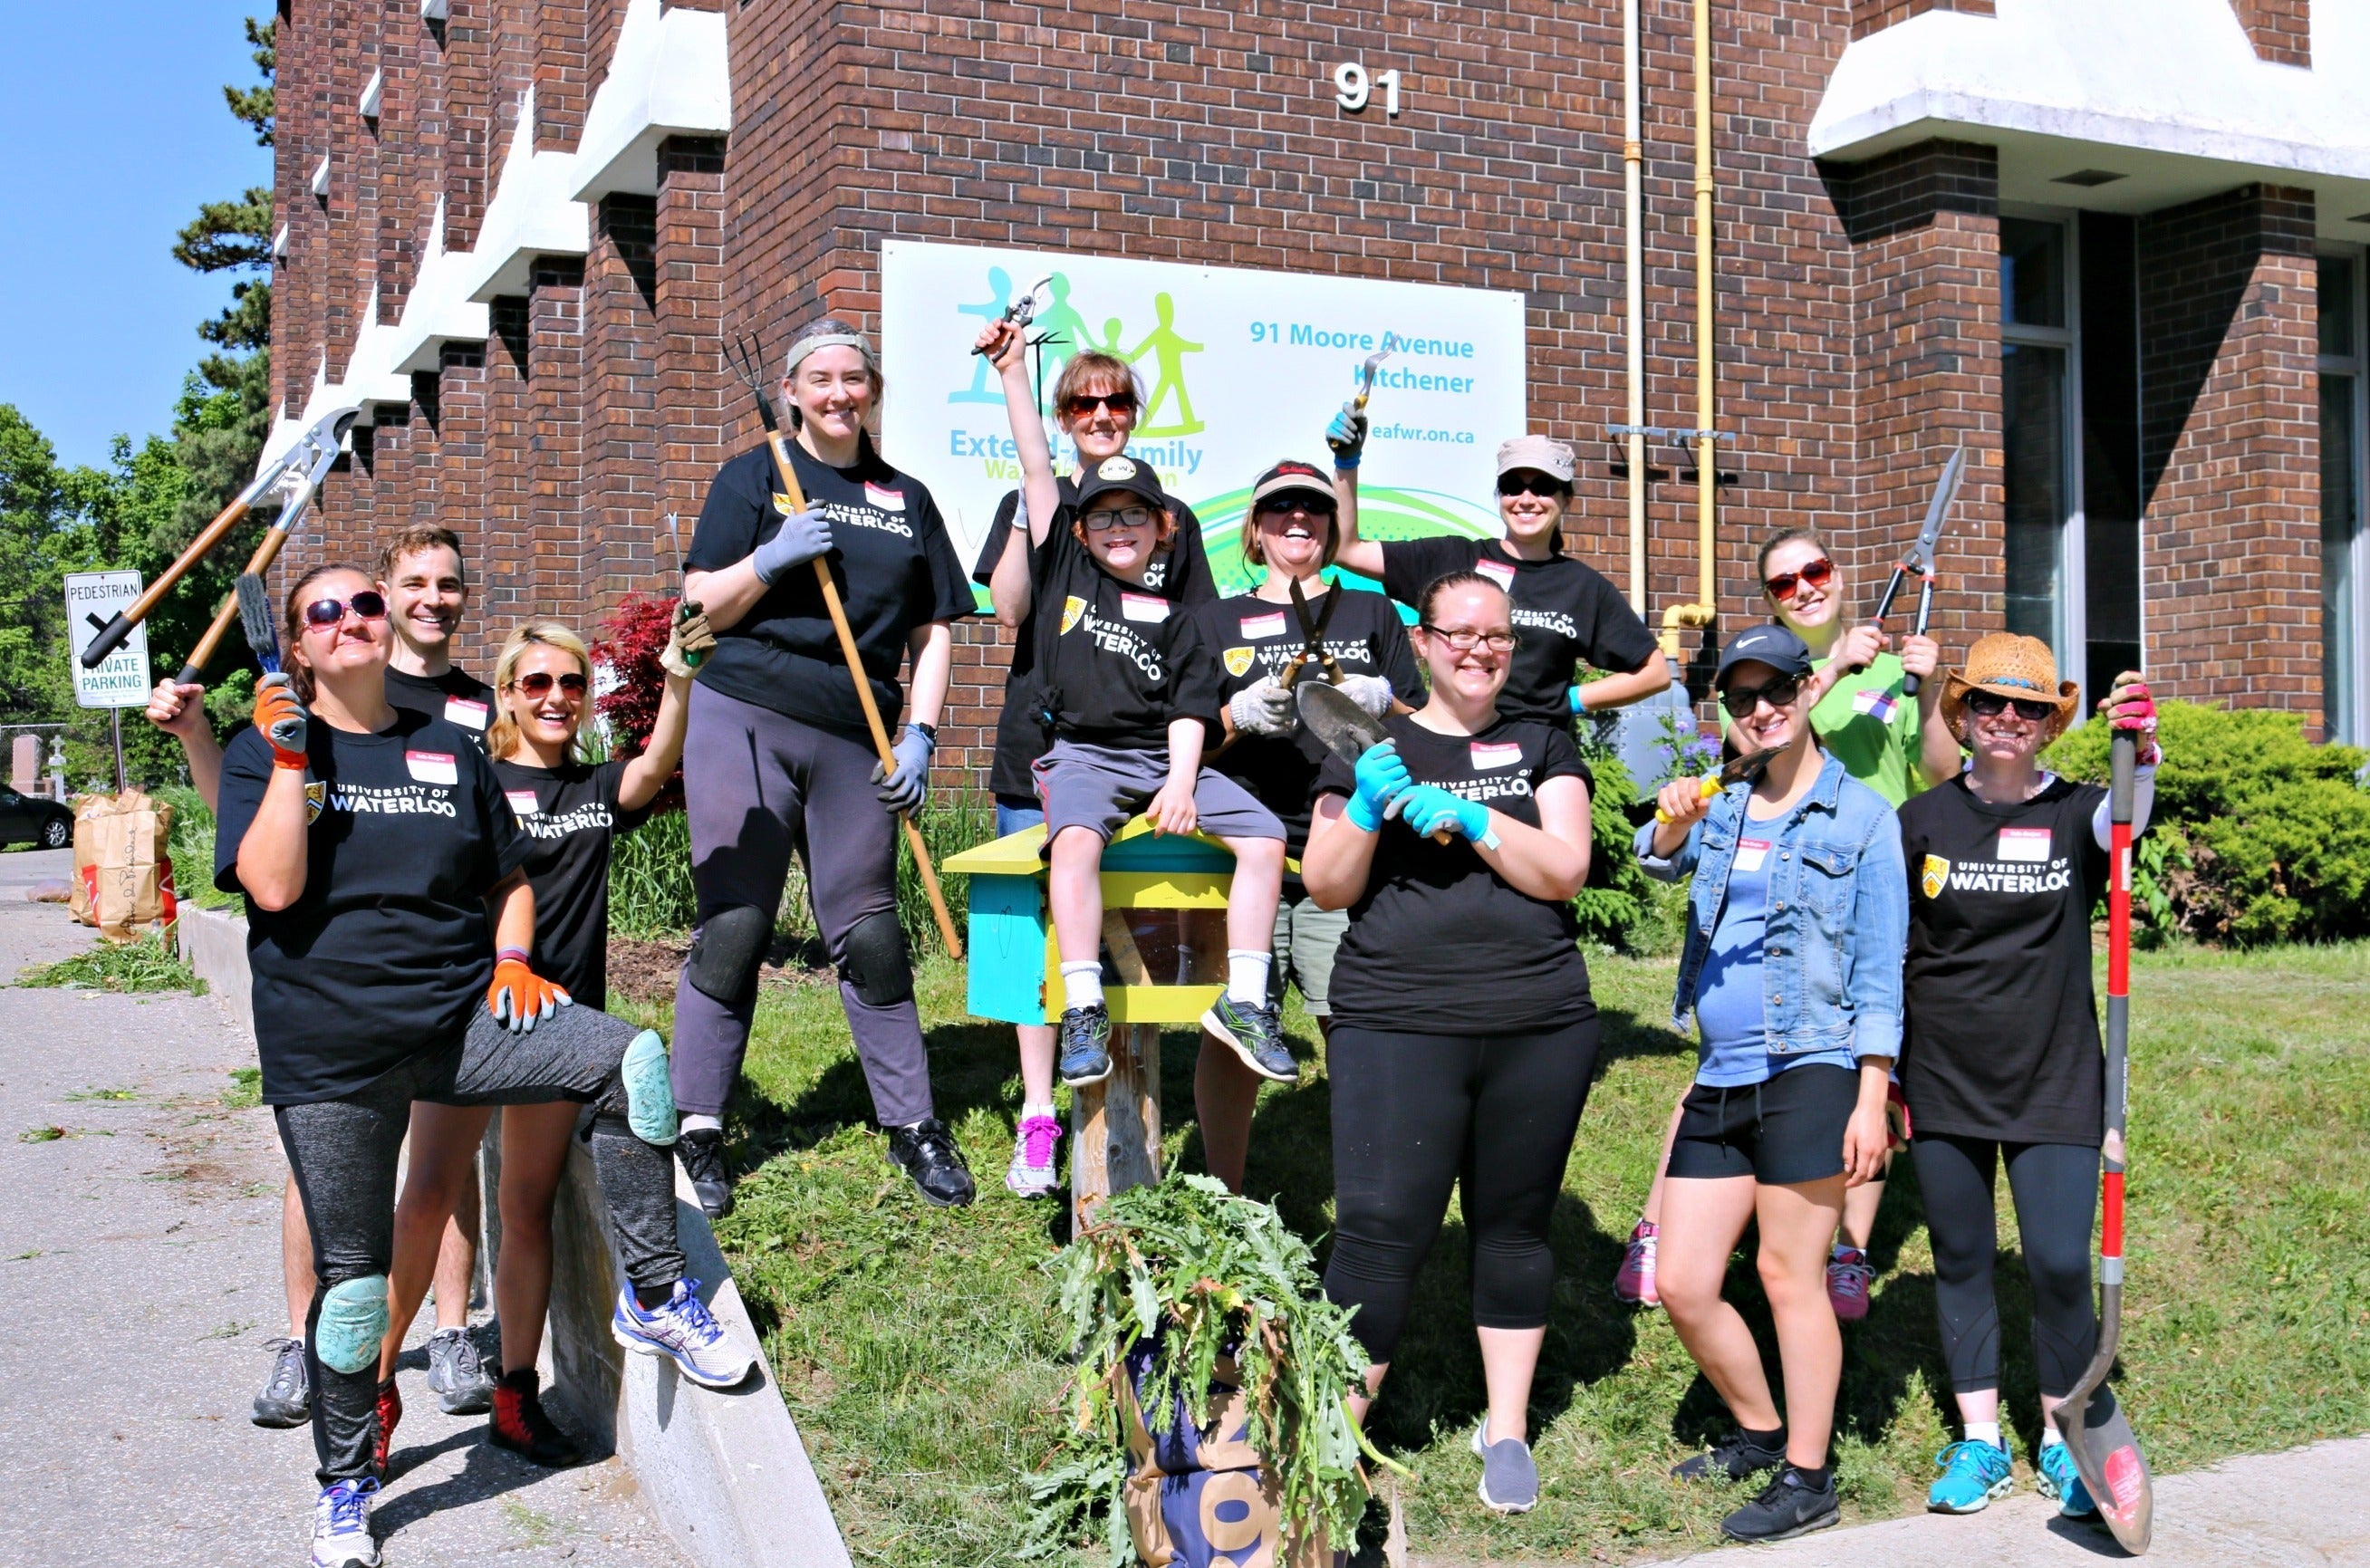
(1121, 473)
(1774, 646)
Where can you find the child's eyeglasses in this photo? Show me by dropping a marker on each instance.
(1103, 521)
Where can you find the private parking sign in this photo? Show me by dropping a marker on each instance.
(94, 599)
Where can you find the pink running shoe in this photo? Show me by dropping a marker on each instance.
(1033, 1171)
(1636, 1280)
(1848, 1276)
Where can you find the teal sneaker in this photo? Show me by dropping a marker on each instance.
(1974, 1475)
(2058, 1478)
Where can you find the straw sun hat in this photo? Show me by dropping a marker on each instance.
(2011, 666)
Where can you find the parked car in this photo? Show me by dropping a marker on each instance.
(26, 819)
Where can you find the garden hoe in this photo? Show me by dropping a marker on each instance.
(2099, 1434)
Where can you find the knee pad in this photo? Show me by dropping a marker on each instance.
(353, 1323)
(876, 964)
(732, 943)
(649, 1094)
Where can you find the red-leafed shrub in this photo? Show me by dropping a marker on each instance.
(632, 638)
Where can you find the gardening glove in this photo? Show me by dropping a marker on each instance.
(1381, 779)
(1428, 808)
(1263, 707)
(282, 720)
(1371, 692)
(906, 788)
(2129, 707)
(799, 540)
(689, 642)
(520, 998)
(1347, 436)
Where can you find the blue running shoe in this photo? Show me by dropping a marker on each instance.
(1085, 1046)
(1256, 1033)
(2058, 1478)
(1975, 1474)
(680, 1329)
(342, 1532)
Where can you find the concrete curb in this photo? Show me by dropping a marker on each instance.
(725, 1473)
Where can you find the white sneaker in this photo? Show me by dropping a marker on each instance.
(342, 1532)
(1034, 1171)
(680, 1329)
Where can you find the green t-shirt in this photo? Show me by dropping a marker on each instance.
(1869, 722)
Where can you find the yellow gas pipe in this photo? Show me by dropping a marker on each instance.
(1705, 612)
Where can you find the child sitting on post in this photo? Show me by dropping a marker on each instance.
(1128, 694)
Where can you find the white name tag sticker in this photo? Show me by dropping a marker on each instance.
(465, 712)
(2025, 843)
(1505, 754)
(522, 801)
(432, 767)
(886, 501)
(1143, 607)
(1751, 854)
(1257, 628)
(1497, 572)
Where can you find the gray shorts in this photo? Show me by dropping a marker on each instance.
(1305, 939)
(1099, 787)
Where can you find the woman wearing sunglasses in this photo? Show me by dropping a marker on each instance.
(2003, 1065)
(1096, 400)
(1463, 1034)
(1566, 613)
(390, 929)
(1792, 969)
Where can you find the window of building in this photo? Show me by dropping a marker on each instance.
(2036, 396)
(2344, 553)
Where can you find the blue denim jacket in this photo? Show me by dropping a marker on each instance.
(1839, 923)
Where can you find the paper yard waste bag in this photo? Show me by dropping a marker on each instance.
(123, 875)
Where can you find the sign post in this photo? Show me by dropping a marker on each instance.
(121, 682)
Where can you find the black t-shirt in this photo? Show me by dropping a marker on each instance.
(2002, 1032)
(1253, 637)
(1439, 942)
(1118, 663)
(1565, 615)
(1181, 574)
(457, 697)
(568, 816)
(386, 951)
(891, 557)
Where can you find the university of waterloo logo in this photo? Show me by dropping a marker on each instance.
(1937, 875)
(1238, 660)
(1071, 608)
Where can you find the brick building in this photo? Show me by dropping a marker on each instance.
(2113, 247)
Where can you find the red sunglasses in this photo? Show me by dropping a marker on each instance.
(1816, 573)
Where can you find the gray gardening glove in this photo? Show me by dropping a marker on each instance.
(1371, 692)
(799, 540)
(1263, 707)
(904, 789)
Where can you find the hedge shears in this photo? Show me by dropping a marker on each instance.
(1312, 641)
(1920, 558)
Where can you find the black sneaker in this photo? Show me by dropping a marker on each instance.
(926, 1152)
(1256, 1032)
(287, 1396)
(1787, 1506)
(702, 1153)
(1085, 1046)
(1738, 1455)
(521, 1427)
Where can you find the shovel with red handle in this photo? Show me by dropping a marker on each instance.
(2106, 1452)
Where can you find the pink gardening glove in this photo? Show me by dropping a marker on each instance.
(2129, 707)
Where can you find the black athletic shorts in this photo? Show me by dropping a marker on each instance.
(1781, 1132)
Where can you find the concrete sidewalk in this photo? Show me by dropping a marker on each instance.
(139, 1254)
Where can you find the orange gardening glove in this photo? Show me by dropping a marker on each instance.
(520, 998)
(282, 720)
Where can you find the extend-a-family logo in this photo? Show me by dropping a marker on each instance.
(1059, 333)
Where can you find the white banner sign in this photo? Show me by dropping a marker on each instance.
(94, 599)
(1240, 369)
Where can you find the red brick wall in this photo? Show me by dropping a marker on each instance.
(2230, 449)
(2280, 31)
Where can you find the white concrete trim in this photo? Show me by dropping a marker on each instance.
(437, 310)
(433, 10)
(670, 75)
(531, 214)
(320, 180)
(369, 102)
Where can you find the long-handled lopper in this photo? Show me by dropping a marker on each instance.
(752, 371)
(1920, 558)
(2098, 1435)
(317, 452)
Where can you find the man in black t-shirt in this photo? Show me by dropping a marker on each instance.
(427, 589)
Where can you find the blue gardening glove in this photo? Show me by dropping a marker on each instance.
(1428, 808)
(909, 785)
(1347, 436)
(1381, 779)
(799, 540)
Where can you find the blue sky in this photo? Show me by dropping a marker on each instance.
(115, 130)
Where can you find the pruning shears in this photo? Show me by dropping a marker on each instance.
(1023, 310)
(1312, 640)
(1920, 558)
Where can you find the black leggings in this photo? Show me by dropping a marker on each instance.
(2055, 1187)
(1414, 1114)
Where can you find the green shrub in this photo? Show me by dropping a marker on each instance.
(2267, 835)
(650, 878)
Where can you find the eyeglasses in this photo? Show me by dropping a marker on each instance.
(1817, 574)
(324, 612)
(1539, 485)
(536, 685)
(1086, 403)
(1991, 704)
(1465, 639)
(1108, 518)
(1740, 700)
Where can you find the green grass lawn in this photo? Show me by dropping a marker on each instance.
(916, 1350)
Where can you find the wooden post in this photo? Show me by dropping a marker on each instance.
(1115, 1125)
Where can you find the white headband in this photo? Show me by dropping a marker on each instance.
(808, 344)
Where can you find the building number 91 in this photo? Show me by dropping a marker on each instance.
(1353, 90)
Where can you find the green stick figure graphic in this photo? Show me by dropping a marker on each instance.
(999, 283)
(1168, 351)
